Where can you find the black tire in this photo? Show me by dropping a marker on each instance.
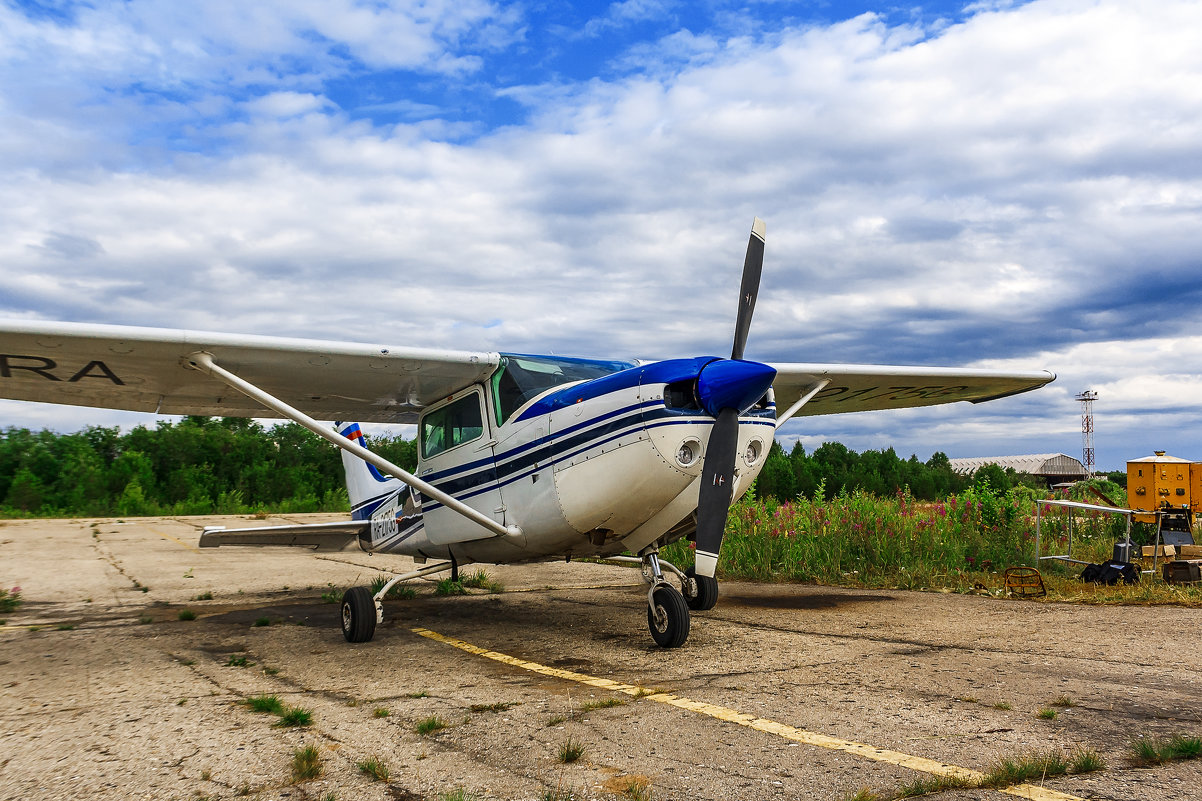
(701, 592)
(668, 617)
(358, 615)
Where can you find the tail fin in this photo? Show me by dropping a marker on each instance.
(365, 485)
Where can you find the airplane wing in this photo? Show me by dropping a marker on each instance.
(125, 367)
(865, 387)
(319, 536)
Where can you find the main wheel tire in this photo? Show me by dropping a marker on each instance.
(668, 617)
(701, 592)
(358, 615)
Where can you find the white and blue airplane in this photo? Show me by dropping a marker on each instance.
(522, 458)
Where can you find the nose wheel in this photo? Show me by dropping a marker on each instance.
(667, 612)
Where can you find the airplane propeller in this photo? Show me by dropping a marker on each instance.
(726, 389)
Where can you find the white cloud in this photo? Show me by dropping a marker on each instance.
(1026, 186)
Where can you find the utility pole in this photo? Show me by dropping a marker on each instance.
(1087, 398)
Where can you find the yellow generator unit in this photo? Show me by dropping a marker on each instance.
(1155, 482)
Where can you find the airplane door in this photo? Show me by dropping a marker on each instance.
(456, 456)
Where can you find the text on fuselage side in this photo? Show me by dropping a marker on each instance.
(44, 368)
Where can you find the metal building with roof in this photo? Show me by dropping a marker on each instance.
(1052, 466)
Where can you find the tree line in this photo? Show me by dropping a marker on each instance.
(199, 465)
(205, 465)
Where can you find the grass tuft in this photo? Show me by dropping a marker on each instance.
(430, 725)
(306, 764)
(294, 716)
(1155, 750)
(237, 660)
(458, 794)
(1003, 705)
(380, 712)
(447, 587)
(1007, 771)
(263, 621)
(1047, 713)
(931, 784)
(398, 591)
(375, 768)
(265, 703)
(864, 794)
(418, 694)
(482, 581)
(1064, 702)
(187, 614)
(589, 706)
(1086, 760)
(501, 706)
(571, 751)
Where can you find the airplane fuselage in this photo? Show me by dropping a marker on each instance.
(589, 468)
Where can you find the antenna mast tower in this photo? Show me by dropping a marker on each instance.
(1087, 398)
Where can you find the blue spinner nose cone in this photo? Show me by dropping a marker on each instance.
(732, 384)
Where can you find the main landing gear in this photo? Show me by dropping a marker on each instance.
(361, 610)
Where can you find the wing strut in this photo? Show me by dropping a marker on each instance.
(806, 397)
(204, 362)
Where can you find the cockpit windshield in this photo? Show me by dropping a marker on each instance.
(520, 378)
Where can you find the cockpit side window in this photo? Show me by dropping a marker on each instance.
(521, 378)
(452, 425)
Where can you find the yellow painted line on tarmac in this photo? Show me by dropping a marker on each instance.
(177, 542)
(921, 764)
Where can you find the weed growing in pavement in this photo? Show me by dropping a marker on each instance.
(571, 751)
(458, 794)
(1086, 760)
(931, 784)
(380, 712)
(294, 716)
(306, 764)
(1003, 705)
(447, 587)
(144, 619)
(1155, 750)
(187, 614)
(206, 775)
(638, 790)
(263, 621)
(482, 581)
(397, 591)
(1064, 702)
(204, 596)
(418, 694)
(501, 706)
(1007, 771)
(64, 627)
(270, 671)
(375, 768)
(10, 599)
(1046, 714)
(331, 595)
(265, 703)
(864, 794)
(237, 660)
(430, 725)
(557, 795)
(589, 706)
(555, 721)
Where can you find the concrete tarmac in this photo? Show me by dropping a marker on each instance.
(781, 692)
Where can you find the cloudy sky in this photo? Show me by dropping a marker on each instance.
(995, 184)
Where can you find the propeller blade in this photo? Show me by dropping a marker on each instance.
(753, 265)
(717, 484)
